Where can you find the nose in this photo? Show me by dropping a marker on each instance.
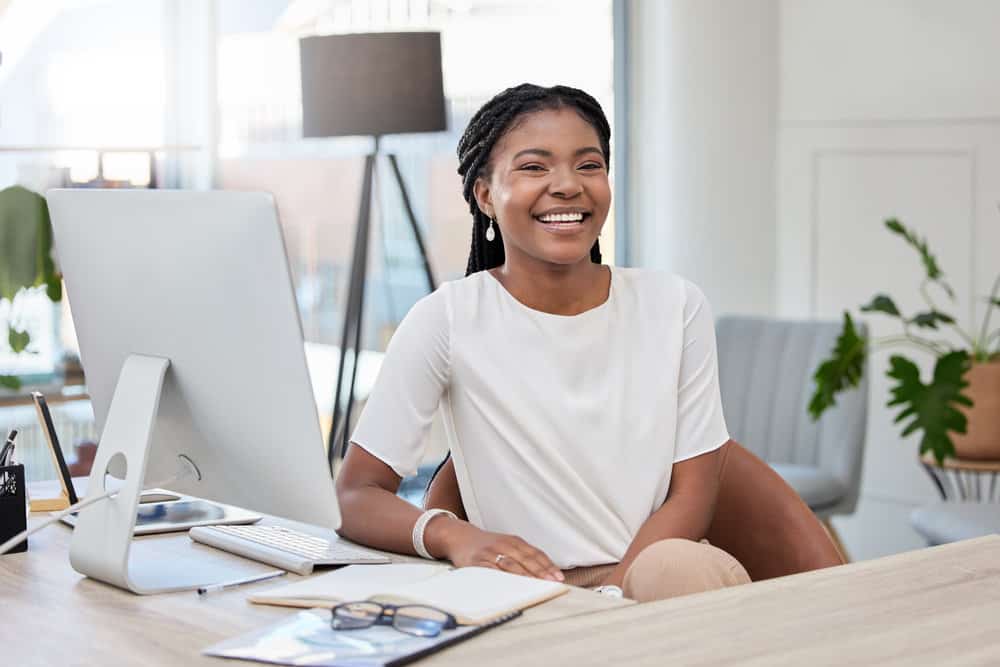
(565, 183)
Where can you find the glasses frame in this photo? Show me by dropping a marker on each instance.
(388, 614)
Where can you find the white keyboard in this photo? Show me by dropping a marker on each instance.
(288, 549)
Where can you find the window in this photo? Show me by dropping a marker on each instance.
(159, 93)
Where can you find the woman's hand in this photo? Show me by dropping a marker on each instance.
(464, 545)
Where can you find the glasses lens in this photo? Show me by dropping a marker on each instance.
(355, 615)
(420, 621)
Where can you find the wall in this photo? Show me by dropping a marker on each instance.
(703, 106)
(888, 108)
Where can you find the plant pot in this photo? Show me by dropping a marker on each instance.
(982, 437)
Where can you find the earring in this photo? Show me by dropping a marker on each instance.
(490, 234)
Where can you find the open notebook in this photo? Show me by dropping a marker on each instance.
(474, 595)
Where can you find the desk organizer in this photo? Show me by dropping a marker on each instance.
(13, 505)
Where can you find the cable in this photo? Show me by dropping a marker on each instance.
(186, 470)
(9, 544)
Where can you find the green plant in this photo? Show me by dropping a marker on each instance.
(25, 263)
(929, 408)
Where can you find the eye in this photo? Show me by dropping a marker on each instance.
(592, 165)
(531, 167)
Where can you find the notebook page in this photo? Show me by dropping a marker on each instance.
(354, 582)
(478, 594)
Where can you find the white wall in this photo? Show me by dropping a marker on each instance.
(769, 141)
(887, 108)
(703, 101)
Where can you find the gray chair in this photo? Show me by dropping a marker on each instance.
(765, 373)
(951, 521)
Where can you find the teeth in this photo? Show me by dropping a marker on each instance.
(562, 217)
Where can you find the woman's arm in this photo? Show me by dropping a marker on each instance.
(686, 513)
(373, 514)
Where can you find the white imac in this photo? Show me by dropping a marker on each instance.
(190, 338)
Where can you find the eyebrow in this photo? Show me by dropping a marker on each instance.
(545, 153)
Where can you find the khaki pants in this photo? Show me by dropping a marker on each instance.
(668, 568)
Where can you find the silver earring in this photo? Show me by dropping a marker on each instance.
(490, 234)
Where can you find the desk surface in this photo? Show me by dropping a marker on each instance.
(932, 606)
(51, 615)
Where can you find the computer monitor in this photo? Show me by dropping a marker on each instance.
(201, 280)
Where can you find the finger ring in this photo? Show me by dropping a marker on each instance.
(499, 558)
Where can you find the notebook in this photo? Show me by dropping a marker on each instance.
(473, 595)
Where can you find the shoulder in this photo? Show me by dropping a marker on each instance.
(430, 315)
(463, 298)
(438, 309)
(668, 289)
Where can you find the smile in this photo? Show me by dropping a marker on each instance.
(561, 217)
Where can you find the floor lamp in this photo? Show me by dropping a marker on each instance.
(370, 84)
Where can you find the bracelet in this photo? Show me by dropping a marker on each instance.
(418, 531)
(609, 590)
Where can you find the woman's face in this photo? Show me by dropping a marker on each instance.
(547, 187)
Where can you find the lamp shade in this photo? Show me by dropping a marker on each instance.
(372, 84)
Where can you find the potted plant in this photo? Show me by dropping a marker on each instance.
(952, 422)
(26, 264)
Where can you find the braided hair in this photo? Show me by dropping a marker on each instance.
(492, 121)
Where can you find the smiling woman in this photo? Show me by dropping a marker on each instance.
(581, 402)
(535, 164)
(547, 189)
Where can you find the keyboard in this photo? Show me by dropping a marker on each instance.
(282, 547)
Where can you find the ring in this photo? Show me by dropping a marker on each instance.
(499, 558)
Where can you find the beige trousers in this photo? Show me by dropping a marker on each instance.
(668, 568)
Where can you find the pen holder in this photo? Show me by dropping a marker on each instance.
(13, 508)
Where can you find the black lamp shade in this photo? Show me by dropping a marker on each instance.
(372, 84)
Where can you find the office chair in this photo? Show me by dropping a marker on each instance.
(759, 518)
(765, 375)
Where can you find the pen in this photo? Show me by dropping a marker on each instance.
(205, 590)
(7, 486)
(8, 448)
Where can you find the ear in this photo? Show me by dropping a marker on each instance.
(484, 199)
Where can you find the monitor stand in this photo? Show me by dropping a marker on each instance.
(102, 546)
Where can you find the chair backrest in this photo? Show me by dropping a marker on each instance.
(766, 371)
(763, 522)
(758, 519)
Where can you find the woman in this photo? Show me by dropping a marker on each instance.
(581, 401)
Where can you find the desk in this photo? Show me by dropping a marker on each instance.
(51, 615)
(932, 606)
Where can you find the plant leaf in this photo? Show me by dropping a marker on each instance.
(931, 319)
(930, 262)
(841, 370)
(881, 303)
(26, 239)
(18, 340)
(931, 408)
(53, 287)
(10, 382)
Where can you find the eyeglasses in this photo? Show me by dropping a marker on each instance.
(412, 619)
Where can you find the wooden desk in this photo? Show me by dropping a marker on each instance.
(932, 606)
(51, 615)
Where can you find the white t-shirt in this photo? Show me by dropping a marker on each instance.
(563, 428)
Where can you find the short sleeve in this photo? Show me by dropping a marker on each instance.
(397, 416)
(701, 426)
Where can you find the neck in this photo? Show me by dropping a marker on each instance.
(558, 289)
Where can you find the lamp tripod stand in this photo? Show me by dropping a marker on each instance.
(350, 341)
